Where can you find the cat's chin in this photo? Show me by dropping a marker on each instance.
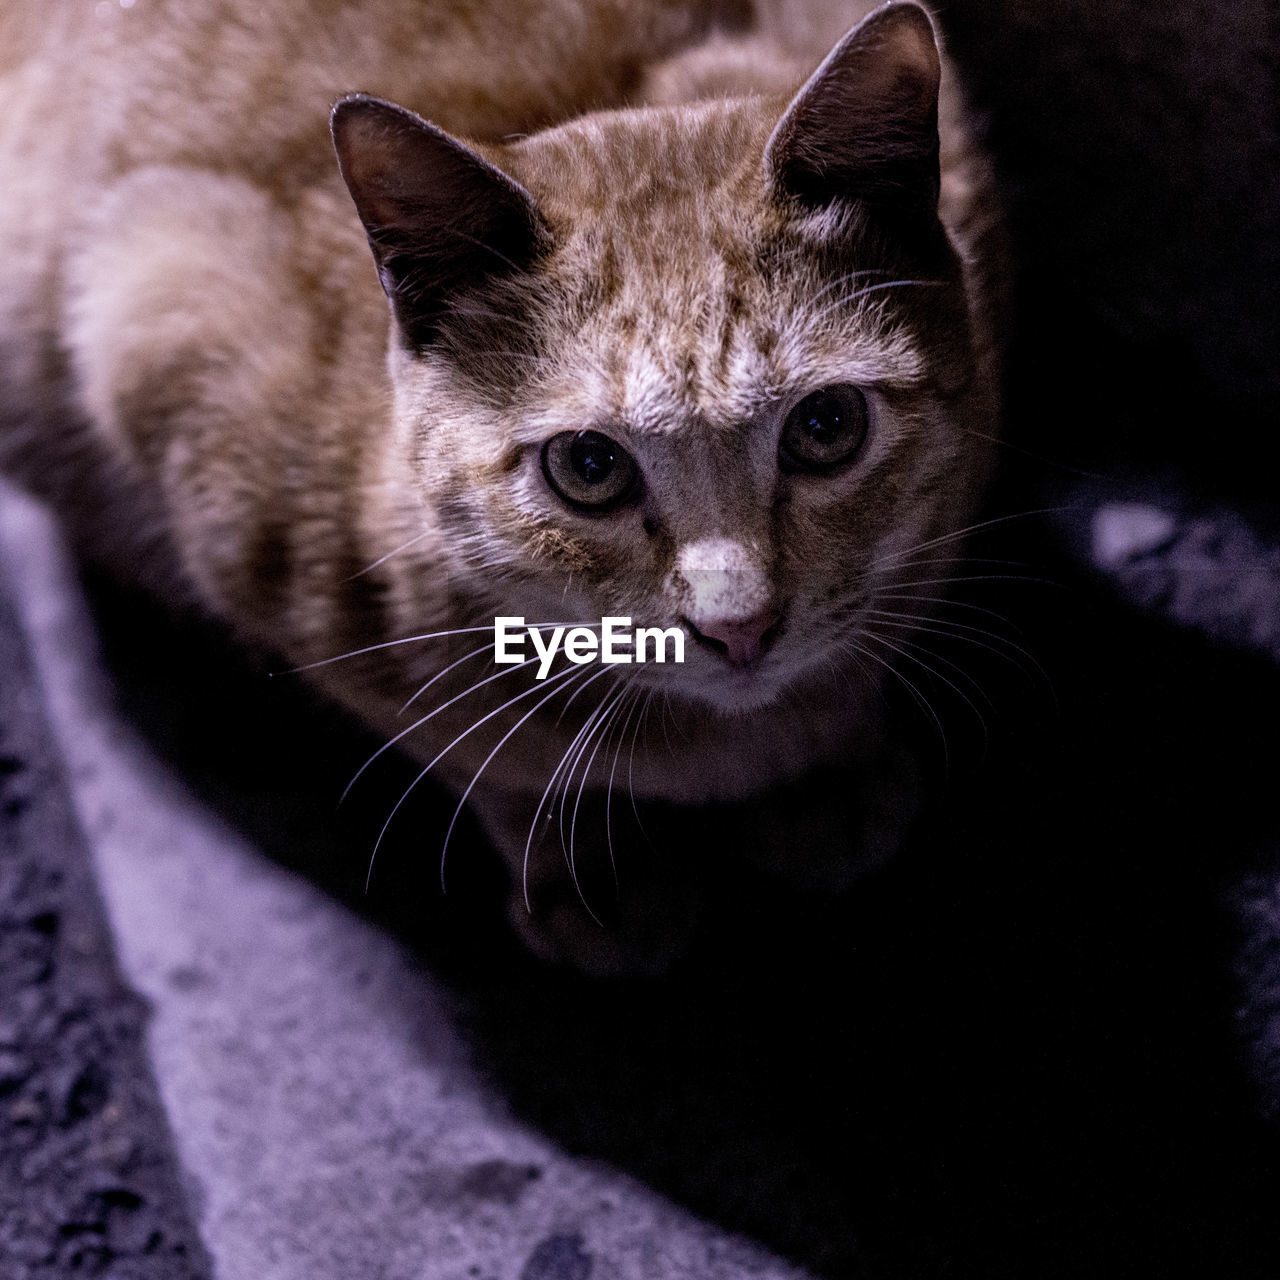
(735, 694)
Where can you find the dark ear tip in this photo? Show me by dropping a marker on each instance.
(353, 106)
(347, 110)
(904, 12)
(365, 108)
(907, 19)
(351, 102)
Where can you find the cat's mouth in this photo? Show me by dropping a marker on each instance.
(742, 644)
(735, 667)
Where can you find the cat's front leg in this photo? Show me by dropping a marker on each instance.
(596, 884)
(611, 889)
(825, 831)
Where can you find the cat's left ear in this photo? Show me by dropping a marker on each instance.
(865, 125)
(440, 218)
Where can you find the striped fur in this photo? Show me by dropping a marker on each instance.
(198, 365)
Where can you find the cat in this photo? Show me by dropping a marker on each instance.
(680, 320)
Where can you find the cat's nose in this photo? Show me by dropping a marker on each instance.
(742, 641)
(727, 599)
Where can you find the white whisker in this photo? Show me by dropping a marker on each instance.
(386, 644)
(537, 815)
(881, 561)
(904, 647)
(404, 546)
(577, 747)
(439, 675)
(430, 635)
(873, 288)
(973, 577)
(465, 733)
(634, 693)
(919, 698)
(435, 711)
(642, 726)
(843, 280)
(608, 720)
(506, 737)
(947, 601)
(946, 628)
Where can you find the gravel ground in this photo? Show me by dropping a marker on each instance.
(88, 1181)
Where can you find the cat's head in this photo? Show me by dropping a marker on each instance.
(705, 366)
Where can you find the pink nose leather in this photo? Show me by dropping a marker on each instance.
(741, 640)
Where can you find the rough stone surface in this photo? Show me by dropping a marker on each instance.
(1213, 571)
(1210, 570)
(88, 1182)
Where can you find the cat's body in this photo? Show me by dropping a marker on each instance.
(196, 361)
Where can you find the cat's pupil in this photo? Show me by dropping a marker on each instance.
(593, 457)
(824, 419)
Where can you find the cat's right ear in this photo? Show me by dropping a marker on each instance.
(440, 218)
(865, 125)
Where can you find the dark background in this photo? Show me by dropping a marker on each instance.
(1139, 149)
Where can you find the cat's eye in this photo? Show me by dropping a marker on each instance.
(589, 470)
(827, 428)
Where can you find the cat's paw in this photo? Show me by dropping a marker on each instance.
(618, 907)
(825, 832)
(645, 930)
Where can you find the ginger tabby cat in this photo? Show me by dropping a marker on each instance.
(671, 326)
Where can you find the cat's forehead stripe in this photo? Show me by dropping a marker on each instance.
(687, 302)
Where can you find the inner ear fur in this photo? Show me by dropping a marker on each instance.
(865, 125)
(440, 218)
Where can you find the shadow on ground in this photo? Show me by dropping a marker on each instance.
(1014, 1052)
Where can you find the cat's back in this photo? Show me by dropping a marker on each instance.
(243, 85)
(96, 90)
(96, 93)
